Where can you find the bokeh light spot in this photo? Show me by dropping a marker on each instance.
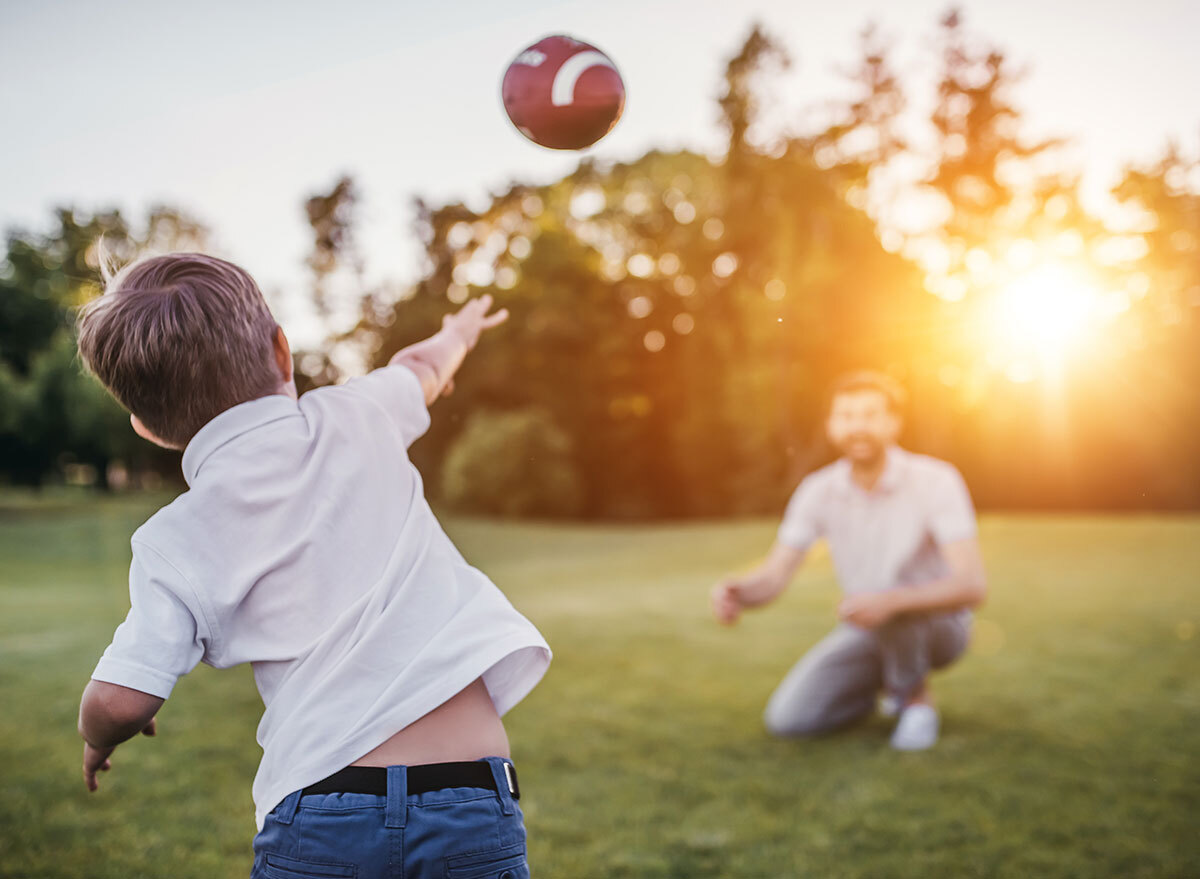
(640, 265)
(640, 306)
(725, 265)
(683, 323)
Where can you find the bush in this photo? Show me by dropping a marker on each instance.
(512, 464)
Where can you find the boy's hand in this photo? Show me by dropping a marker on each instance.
(436, 359)
(97, 759)
(472, 319)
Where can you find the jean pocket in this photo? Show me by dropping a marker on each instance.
(278, 867)
(504, 863)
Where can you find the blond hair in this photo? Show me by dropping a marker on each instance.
(178, 339)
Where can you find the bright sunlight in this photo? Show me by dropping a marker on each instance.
(1041, 318)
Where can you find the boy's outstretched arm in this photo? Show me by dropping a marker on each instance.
(436, 359)
(108, 715)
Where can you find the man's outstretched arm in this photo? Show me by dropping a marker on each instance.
(760, 586)
(108, 715)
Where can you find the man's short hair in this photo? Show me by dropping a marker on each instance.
(178, 339)
(869, 380)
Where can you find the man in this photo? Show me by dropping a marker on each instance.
(901, 530)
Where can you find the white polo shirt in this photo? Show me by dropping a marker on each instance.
(305, 547)
(889, 536)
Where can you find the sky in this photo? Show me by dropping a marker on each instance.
(237, 111)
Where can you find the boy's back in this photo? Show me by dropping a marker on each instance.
(305, 546)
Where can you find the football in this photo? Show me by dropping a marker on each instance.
(563, 93)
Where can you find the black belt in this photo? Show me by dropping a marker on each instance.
(421, 779)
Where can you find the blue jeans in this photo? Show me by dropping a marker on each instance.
(454, 833)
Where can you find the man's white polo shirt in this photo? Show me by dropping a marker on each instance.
(890, 536)
(305, 546)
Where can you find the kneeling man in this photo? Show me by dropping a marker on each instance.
(901, 530)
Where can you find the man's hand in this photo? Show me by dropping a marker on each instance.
(97, 759)
(472, 319)
(869, 610)
(760, 586)
(726, 602)
(733, 594)
(964, 587)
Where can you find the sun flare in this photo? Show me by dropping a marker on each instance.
(1041, 317)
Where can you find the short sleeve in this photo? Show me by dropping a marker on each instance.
(951, 513)
(801, 526)
(161, 638)
(398, 390)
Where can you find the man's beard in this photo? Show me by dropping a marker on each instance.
(877, 449)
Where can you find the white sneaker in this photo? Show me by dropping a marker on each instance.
(917, 728)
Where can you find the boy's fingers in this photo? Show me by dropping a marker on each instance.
(151, 728)
(478, 305)
(89, 774)
(496, 319)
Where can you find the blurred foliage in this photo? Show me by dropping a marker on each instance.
(53, 417)
(487, 468)
(677, 318)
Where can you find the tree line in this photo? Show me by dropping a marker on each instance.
(677, 319)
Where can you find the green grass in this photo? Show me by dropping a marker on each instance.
(1071, 739)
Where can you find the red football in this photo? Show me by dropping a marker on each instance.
(563, 93)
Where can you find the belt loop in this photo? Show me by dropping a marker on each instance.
(506, 782)
(286, 811)
(397, 796)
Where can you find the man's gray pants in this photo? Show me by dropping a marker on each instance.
(837, 682)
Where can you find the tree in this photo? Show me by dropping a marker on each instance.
(1160, 371)
(51, 414)
(677, 319)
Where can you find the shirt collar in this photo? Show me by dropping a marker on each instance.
(889, 479)
(231, 424)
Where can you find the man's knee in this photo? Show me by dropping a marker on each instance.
(833, 685)
(801, 721)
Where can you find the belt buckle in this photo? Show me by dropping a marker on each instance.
(510, 773)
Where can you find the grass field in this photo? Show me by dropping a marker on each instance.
(1071, 743)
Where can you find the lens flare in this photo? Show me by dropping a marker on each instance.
(1041, 317)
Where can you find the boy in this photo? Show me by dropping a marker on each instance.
(901, 530)
(305, 547)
